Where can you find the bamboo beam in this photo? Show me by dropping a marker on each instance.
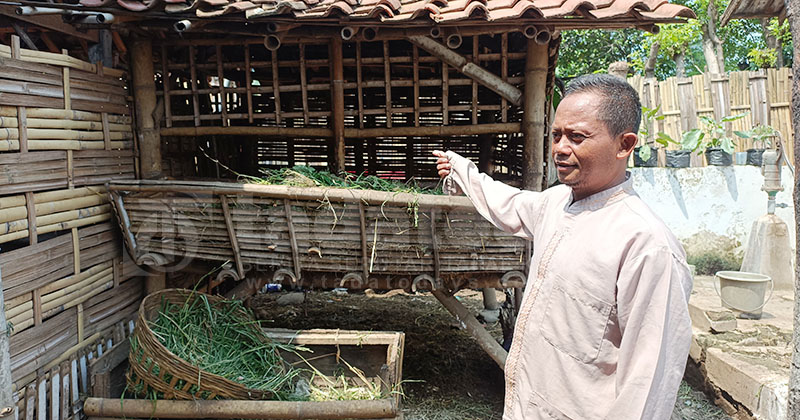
(248, 80)
(276, 88)
(463, 315)
(504, 74)
(359, 87)
(534, 115)
(223, 100)
(144, 90)
(453, 130)
(193, 84)
(231, 409)
(469, 69)
(303, 83)
(337, 103)
(237, 256)
(292, 239)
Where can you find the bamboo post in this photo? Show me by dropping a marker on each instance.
(237, 256)
(688, 109)
(387, 80)
(359, 87)
(292, 239)
(484, 339)
(276, 87)
(475, 50)
(415, 69)
(248, 80)
(362, 219)
(6, 390)
(759, 100)
(30, 204)
(223, 99)
(445, 93)
(22, 123)
(144, 90)
(65, 76)
(165, 80)
(534, 115)
(337, 103)
(303, 83)
(193, 83)
(504, 74)
(435, 246)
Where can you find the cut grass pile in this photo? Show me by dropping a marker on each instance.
(306, 176)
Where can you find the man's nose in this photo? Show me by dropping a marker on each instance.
(561, 146)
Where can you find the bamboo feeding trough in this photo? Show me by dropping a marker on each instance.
(418, 241)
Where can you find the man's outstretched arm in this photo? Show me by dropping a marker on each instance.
(510, 209)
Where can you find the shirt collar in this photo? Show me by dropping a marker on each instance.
(603, 198)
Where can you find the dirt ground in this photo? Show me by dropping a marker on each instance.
(446, 374)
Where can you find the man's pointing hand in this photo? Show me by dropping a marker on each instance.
(443, 164)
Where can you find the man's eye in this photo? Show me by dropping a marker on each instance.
(577, 137)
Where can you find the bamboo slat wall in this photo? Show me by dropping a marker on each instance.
(65, 130)
(388, 85)
(765, 95)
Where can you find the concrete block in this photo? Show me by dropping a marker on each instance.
(712, 320)
(762, 391)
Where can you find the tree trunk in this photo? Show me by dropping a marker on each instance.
(793, 14)
(712, 45)
(650, 64)
(680, 64)
(773, 42)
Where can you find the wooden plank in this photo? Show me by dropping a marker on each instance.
(65, 394)
(30, 204)
(41, 398)
(55, 391)
(65, 82)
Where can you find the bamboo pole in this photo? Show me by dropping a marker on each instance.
(165, 80)
(63, 114)
(534, 115)
(470, 69)
(231, 409)
(387, 80)
(463, 315)
(422, 131)
(223, 99)
(62, 134)
(337, 103)
(276, 89)
(144, 90)
(14, 122)
(193, 84)
(6, 394)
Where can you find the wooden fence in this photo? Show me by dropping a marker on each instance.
(766, 94)
(65, 130)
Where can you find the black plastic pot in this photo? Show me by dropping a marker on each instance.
(650, 163)
(754, 157)
(717, 157)
(678, 158)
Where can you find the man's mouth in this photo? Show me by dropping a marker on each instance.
(564, 167)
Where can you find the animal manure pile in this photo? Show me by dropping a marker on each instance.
(306, 176)
(223, 338)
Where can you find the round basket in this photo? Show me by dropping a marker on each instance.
(154, 368)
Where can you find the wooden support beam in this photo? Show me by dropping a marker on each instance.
(534, 115)
(468, 322)
(292, 239)
(165, 81)
(337, 103)
(223, 99)
(144, 90)
(51, 22)
(471, 70)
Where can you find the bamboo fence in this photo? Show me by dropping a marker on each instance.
(765, 96)
(65, 130)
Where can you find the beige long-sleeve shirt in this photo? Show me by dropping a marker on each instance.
(603, 331)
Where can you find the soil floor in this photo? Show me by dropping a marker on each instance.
(446, 374)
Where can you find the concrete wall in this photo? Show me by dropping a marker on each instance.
(722, 200)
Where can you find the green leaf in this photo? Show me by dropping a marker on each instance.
(726, 144)
(743, 134)
(691, 139)
(730, 118)
(645, 153)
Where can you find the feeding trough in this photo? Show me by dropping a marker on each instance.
(327, 237)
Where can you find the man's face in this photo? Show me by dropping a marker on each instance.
(587, 158)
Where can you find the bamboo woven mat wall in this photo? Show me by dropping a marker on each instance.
(65, 130)
(765, 95)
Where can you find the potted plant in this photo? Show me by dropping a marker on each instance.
(714, 142)
(643, 155)
(681, 158)
(761, 136)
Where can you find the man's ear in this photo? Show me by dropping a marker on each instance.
(626, 145)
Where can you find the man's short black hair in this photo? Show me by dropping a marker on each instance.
(620, 109)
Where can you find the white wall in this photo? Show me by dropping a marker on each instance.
(722, 200)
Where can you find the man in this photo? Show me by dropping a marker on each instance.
(603, 331)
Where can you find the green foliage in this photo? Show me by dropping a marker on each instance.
(780, 30)
(675, 38)
(760, 135)
(763, 57)
(713, 134)
(709, 263)
(649, 115)
(589, 51)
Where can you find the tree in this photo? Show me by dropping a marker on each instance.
(592, 50)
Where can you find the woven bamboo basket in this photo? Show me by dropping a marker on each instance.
(154, 368)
